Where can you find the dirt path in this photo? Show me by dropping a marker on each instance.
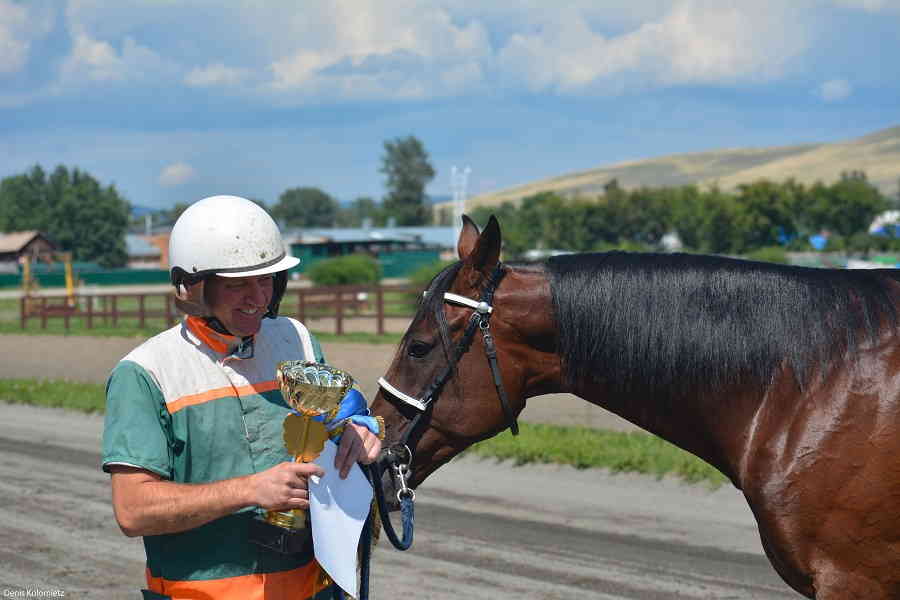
(90, 359)
(484, 530)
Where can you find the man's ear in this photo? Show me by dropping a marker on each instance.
(191, 299)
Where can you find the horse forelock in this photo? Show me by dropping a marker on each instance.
(673, 324)
(431, 304)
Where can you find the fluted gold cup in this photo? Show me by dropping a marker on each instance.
(311, 389)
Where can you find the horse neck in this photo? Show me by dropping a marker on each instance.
(708, 424)
(711, 426)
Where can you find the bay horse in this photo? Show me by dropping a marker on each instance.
(785, 379)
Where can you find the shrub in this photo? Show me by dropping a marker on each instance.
(352, 269)
(772, 254)
(420, 278)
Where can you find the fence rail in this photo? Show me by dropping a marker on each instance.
(334, 303)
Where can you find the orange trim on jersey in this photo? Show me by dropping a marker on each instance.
(222, 392)
(300, 583)
(209, 336)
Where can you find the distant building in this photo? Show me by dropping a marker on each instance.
(142, 254)
(18, 246)
(399, 250)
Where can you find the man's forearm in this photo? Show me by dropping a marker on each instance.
(155, 507)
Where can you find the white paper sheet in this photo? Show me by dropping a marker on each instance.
(337, 511)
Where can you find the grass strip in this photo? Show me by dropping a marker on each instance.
(55, 393)
(580, 447)
(587, 448)
(56, 327)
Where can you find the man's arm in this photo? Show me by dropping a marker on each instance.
(146, 504)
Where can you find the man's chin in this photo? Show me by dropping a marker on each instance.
(245, 327)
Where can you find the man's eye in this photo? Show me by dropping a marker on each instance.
(418, 349)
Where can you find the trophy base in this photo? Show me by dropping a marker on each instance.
(278, 539)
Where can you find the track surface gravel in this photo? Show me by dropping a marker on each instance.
(483, 529)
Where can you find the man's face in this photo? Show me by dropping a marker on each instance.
(239, 302)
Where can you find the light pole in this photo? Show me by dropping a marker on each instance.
(459, 181)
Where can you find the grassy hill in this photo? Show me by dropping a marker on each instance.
(878, 154)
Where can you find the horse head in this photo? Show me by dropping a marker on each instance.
(440, 394)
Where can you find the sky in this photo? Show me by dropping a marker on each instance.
(175, 100)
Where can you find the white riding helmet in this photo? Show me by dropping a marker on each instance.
(227, 236)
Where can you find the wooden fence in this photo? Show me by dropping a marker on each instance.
(336, 304)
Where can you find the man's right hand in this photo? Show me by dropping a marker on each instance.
(284, 486)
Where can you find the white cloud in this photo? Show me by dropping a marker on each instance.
(695, 42)
(19, 26)
(362, 49)
(215, 75)
(834, 90)
(93, 60)
(176, 174)
(405, 49)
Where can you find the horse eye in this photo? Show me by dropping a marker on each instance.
(418, 349)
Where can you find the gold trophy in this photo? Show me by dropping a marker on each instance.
(311, 389)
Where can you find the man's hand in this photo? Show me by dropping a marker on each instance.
(284, 486)
(358, 444)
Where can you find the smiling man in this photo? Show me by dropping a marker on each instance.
(193, 432)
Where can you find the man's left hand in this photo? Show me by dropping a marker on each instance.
(358, 444)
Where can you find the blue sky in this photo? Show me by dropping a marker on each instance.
(174, 100)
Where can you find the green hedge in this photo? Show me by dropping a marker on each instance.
(353, 269)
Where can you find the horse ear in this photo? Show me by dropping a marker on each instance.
(467, 238)
(485, 254)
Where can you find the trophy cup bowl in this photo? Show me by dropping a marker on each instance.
(311, 389)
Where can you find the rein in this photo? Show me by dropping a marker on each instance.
(399, 457)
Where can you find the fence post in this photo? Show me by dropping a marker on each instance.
(167, 299)
(301, 306)
(142, 315)
(66, 315)
(43, 312)
(23, 309)
(115, 311)
(379, 308)
(90, 300)
(339, 315)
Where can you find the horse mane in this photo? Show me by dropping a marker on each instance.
(670, 325)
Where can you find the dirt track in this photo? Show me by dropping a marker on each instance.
(483, 530)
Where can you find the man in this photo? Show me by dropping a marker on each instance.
(193, 432)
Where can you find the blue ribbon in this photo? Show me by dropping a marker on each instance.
(352, 409)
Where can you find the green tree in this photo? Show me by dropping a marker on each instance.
(24, 201)
(358, 211)
(305, 207)
(406, 165)
(766, 214)
(845, 207)
(79, 214)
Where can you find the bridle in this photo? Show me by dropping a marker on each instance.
(398, 456)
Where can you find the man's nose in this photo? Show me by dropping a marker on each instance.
(256, 294)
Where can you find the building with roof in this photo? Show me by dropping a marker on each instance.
(143, 253)
(17, 246)
(399, 250)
